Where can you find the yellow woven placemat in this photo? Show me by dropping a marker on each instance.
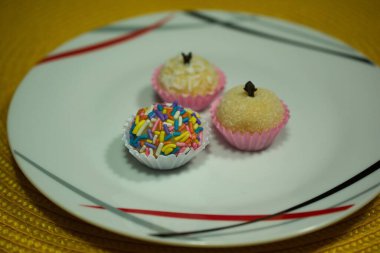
(30, 29)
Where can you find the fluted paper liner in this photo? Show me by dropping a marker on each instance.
(248, 141)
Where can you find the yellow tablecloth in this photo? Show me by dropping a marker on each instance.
(30, 29)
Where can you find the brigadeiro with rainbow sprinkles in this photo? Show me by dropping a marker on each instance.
(165, 135)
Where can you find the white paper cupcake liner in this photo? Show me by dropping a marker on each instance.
(165, 162)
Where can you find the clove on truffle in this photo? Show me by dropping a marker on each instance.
(250, 88)
(186, 58)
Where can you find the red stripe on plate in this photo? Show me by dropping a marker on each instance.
(107, 43)
(225, 217)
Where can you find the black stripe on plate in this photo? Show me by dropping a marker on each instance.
(272, 37)
(321, 196)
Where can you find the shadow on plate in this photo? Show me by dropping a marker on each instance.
(126, 166)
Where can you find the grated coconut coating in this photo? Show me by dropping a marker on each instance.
(195, 78)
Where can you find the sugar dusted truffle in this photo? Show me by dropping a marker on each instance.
(248, 117)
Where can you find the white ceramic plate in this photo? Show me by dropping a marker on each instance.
(65, 128)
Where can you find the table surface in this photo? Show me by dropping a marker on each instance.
(29, 222)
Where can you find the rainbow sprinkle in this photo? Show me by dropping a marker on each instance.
(165, 129)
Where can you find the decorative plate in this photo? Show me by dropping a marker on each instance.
(65, 128)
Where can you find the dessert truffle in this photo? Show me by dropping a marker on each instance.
(189, 79)
(248, 117)
(165, 135)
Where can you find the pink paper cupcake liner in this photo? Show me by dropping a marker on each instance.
(248, 141)
(197, 103)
